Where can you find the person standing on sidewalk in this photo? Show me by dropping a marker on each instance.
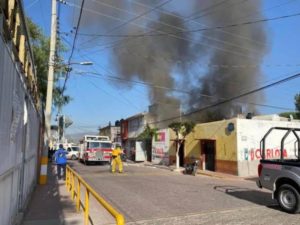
(116, 159)
(61, 161)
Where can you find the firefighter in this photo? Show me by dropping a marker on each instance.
(116, 159)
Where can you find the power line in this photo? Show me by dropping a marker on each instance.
(125, 100)
(209, 8)
(231, 5)
(113, 77)
(171, 89)
(177, 90)
(73, 46)
(117, 42)
(193, 31)
(162, 31)
(160, 34)
(132, 19)
(175, 15)
(98, 75)
(232, 98)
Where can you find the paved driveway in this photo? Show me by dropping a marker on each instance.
(147, 195)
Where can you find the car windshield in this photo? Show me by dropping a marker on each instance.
(76, 149)
(105, 145)
(93, 145)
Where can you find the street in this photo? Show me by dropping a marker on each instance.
(148, 195)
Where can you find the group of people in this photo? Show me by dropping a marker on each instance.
(60, 156)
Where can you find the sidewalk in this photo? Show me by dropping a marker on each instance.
(199, 172)
(51, 204)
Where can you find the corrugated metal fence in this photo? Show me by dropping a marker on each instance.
(19, 138)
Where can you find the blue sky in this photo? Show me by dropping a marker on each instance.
(98, 100)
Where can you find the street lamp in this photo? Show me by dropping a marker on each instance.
(87, 63)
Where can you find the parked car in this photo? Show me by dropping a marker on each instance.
(73, 152)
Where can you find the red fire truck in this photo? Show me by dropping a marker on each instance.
(95, 149)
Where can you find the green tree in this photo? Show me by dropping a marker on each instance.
(181, 129)
(296, 115)
(41, 48)
(147, 134)
(297, 102)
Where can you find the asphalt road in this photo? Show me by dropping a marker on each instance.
(147, 195)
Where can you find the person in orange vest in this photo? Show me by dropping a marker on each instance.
(116, 159)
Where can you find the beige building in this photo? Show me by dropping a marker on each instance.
(233, 146)
(113, 132)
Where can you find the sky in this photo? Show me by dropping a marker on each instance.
(99, 99)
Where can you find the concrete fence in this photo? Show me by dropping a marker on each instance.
(20, 128)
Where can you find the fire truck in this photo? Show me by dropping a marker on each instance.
(95, 149)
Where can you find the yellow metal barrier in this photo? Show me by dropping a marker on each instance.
(71, 175)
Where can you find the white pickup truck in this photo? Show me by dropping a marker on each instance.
(282, 176)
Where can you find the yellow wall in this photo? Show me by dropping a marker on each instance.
(226, 143)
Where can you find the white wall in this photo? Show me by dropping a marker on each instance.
(161, 147)
(136, 126)
(249, 135)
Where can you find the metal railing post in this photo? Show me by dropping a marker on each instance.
(71, 174)
(78, 196)
(86, 207)
(67, 177)
(73, 187)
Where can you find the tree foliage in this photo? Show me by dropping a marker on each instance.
(296, 115)
(41, 49)
(297, 102)
(182, 128)
(148, 133)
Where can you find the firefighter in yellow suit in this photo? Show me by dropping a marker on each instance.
(116, 159)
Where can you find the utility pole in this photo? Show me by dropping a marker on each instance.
(44, 162)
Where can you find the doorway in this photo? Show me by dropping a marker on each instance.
(208, 153)
(181, 155)
(149, 149)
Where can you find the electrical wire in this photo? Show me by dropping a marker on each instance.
(99, 75)
(292, 77)
(222, 102)
(172, 34)
(178, 37)
(194, 22)
(132, 19)
(175, 15)
(196, 30)
(109, 77)
(114, 77)
(209, 8)
(125, 100)
(231, 5)
(73, 46)
(189, 20)
(117, 42)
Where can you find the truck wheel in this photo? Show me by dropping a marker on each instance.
(288, 198)
(73, 157)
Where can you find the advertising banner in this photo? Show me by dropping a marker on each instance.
(160, 147)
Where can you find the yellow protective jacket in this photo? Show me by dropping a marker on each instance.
(116, 152)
